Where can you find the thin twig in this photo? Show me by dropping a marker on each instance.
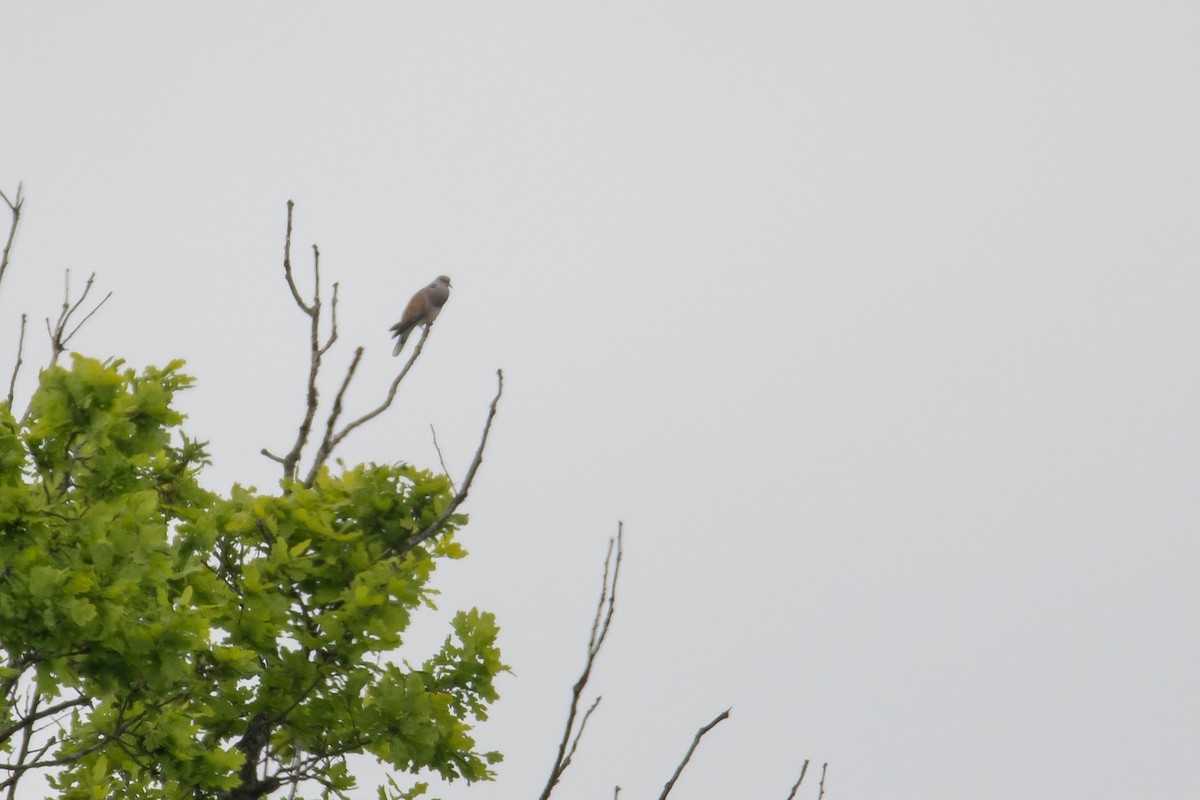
(14, 208)
(724, 715)
(600, 628)
(579, 734)
(800, 780)
(616, 792)
(824, 767)
(12, 383)
(441, 460)
(436, 526)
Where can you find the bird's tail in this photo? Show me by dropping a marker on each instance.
(400, 340)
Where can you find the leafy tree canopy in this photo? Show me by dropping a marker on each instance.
(160, 640)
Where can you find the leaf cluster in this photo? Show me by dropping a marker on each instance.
(160, 640)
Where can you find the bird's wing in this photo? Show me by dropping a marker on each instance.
(414, 312)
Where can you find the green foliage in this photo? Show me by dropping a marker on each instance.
(189, 644)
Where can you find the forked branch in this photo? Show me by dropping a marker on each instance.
(14, 208)
(601, 624)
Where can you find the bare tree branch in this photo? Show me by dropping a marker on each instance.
(59, 338)
(331, 441)
(287, 262)
(824, 767)
(315, 348)
(34, 715)
(12, 382)
(800, 780)
(14, 208)
(441, 460)
(579, 734)
(724, 715)
(600, 627)
(436, 526)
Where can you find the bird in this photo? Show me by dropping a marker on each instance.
(422, 309)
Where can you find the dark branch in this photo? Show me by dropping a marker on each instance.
(35, 715)
(724, 715)
(600, 627)
(436, 526)
(14, 208)
(287, 263)
(12, 382)
(315, 349)
(824, 767)
(800, 780)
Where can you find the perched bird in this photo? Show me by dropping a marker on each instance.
(423, 309)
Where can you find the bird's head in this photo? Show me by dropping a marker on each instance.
(443, 279)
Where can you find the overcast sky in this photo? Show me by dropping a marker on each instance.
(876, 322)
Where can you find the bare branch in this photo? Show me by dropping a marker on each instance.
(800, 780)
(436, 526)
(287, 263)
(327, 441)
(600, 628)
(442, 460)
(333, 330)
(75, 330)
(34, 715)
(724, 715)
(824, 767)
(12, 383)
(331, 442)
(315, 349)
(58, 336)
(14, 208)
(579, 734)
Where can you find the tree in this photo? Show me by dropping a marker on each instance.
(161, 640)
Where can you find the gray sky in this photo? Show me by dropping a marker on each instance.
(875, 322)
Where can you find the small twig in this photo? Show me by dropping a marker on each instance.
(823, 768)
(333, 329)
(14, 208)
(724, 715)
(800, 780)
(579, 734)
(616, 792)
(12, 383)
(436, 526)
(441, 460)
(600, 628)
